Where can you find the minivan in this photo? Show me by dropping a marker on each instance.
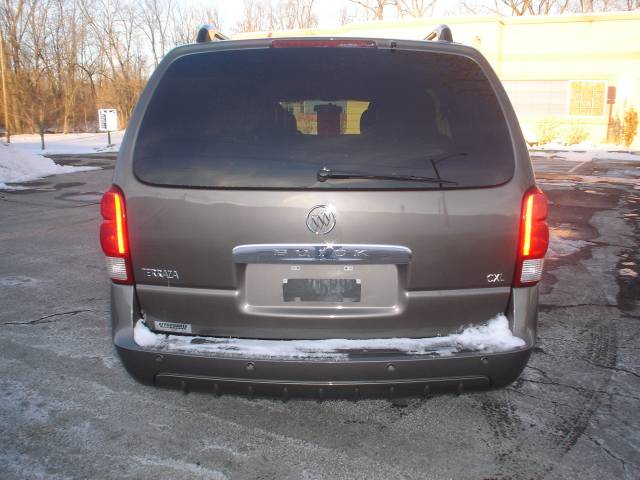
(324, 217)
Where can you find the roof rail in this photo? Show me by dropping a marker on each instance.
(208, 33)
(441, 33)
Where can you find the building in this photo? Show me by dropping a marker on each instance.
(560, 70)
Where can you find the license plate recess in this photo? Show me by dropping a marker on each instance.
(338, 290)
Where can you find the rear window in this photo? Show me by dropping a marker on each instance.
(272, 118)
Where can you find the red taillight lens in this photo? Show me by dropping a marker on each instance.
(113, 235)
(324, 43)
(534, 238)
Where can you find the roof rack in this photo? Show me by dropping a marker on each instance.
(208, 33)
(441, 33)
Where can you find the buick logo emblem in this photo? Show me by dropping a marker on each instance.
(321, 219)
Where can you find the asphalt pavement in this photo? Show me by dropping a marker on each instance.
(69, 410)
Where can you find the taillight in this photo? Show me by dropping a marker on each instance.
(113, 236)
(534, 238)
(344, 43)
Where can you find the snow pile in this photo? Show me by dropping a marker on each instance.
(583, 152)
(20, 166)
(69, 143)
(495, 336)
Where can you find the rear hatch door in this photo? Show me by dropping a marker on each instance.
(236, 228)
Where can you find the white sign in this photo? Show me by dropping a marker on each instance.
(107, 120)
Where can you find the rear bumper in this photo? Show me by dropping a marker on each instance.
(370, 375)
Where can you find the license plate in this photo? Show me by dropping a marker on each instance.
(321, 290)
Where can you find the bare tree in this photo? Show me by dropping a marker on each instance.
(122, 72)
(415, 8)
(254, 16)
(66, 33)
(290, 14)
(589, 6)
(185, 22)
(586, 5)
(344, 17)
(260, 15)
(14, 27)
(155, 23)
(374, 9)
(517, 7)
(66, 58)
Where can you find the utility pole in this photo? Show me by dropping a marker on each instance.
(4, 90)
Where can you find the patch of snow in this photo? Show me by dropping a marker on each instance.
(21, 166)
(558, 183)
(583, 152)
(552, 145)
(145, 337)
(594, 179)
(584, 180)
(494, 336)
(586, 145)
(71, 143)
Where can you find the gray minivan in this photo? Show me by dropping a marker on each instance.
(324, 217)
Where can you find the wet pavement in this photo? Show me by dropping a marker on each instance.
(69, 410)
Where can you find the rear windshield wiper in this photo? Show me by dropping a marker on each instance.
(443, 157)
(326, 173)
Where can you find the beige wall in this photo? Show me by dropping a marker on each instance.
(543, 53)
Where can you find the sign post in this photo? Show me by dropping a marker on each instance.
(108, 122)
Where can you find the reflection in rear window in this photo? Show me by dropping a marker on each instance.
(271, 118)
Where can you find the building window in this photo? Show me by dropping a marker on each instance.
(586, 99)
(537, 98)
